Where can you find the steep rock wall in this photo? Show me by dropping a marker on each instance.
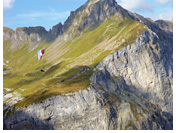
(90, 109)
(144, 68)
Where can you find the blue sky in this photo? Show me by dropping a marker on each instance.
(47, 13)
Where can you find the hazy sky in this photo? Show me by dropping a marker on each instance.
(47, 13)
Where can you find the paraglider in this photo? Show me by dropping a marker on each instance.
(40, 54)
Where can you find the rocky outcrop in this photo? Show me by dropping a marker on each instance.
(56, 30)
(30, 35)
(78, 73)
(25, 34)
(39, 30)
(162, 28)
(167, 26)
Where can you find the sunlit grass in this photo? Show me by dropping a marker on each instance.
(40, 86)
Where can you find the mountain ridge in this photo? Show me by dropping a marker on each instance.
(92, 19)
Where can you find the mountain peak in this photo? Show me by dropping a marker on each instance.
(91, 14)
(95, 1)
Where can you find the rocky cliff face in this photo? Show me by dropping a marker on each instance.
(144, 68)
(93, 108)
(56, 30)
(32, 35)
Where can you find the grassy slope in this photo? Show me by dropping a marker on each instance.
(86, 50)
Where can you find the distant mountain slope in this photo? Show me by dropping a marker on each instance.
(124, 59)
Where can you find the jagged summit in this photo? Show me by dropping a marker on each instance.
(90, 2)
(95, 1)
(56, 30)
(92, 13)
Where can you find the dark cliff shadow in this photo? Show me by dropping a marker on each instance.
(169, 116)
(24, 121)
